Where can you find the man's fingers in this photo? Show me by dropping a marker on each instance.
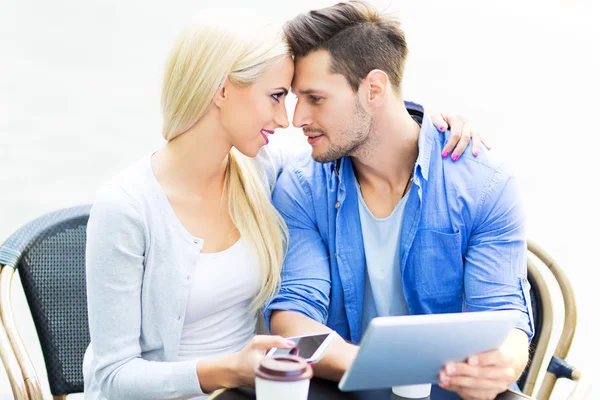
(502, 374)
(461, 369)
(491, 358)
(467, 382)
(475, 394)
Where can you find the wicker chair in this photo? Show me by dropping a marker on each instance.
(543, 315)
(49, 256)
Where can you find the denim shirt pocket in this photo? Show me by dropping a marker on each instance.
(434, 267)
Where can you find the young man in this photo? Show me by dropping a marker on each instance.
(379, 223)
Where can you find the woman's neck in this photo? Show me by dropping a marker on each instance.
(195, 160)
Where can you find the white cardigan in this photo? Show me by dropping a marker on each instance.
(139, 259)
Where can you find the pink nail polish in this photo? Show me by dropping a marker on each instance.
(476, 153)
(444, 154)
(442, 128)
(455, 157)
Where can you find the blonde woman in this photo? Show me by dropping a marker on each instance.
(184, 247)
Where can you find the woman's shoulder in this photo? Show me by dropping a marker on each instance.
(130, 183)
(127, 191)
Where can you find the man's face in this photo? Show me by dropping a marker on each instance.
(328, 110)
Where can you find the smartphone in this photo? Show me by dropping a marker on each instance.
(311, 347)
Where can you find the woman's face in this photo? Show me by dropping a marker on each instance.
(251, 114)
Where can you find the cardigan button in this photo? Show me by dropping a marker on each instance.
(337, 204)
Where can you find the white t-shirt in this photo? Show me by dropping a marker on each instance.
(384, 295)
(217, 318)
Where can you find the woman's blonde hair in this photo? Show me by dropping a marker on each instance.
(234, 45)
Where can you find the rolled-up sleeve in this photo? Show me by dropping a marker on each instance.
(306, 277)
(496, 258)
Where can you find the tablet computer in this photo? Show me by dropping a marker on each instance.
(412, 349)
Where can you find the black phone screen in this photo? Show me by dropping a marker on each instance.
(306, 346)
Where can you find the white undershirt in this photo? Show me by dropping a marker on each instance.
(217, 318)
(383, 278)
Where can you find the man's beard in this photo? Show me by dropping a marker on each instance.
(352, 138)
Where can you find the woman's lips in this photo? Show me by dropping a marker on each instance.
(266, 133)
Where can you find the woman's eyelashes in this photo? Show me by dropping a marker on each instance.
(277, 96)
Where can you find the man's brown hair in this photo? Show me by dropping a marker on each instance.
(356, 36)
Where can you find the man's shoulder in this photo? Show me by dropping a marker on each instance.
(473, 182)
(479, 171)
(470, 180)
(475, 171)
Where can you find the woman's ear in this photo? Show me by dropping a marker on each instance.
(220, 94)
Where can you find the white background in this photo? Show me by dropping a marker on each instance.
(79, 101)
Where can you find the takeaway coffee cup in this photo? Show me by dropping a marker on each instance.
(412, 391)
(282, 377)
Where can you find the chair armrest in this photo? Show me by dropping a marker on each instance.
(582, 385)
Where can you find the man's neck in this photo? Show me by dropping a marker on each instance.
(392, 150)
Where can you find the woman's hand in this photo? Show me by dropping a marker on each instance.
(461, 134)
(237, 369)
(249, 357)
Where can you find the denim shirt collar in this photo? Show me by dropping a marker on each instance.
(425, 148)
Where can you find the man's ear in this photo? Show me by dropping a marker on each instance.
(221, 93)
(376, 85)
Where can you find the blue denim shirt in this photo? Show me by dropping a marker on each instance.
(462, 243)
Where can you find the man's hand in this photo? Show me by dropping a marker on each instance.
(483, 377)
(461, 134)
(337, 358)
(486, 375)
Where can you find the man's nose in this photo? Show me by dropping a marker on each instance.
(302, 116)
